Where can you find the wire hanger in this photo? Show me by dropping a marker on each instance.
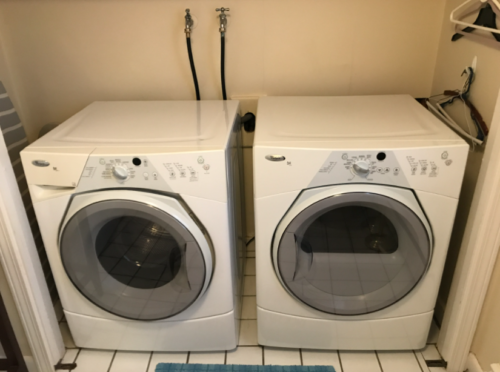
(485, 21)
(436, 105)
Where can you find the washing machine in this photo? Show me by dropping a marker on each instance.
(355, 199)
(139, 205)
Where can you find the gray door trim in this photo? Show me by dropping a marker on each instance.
(182, 231)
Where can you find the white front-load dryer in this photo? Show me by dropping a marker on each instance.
(139, 209)
(355, 199)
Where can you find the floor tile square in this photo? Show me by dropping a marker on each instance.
(321, 358)
(249, 287)
(250, 266)
(359, 361)
(248, 332)
(251, 355)
(93, 360)
(127, 361)
(216, 357)
(430, 352)
(159, 357)
(397, 361)
(283, 357)
(249, 310)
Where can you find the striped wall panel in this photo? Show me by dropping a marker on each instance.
(14, 135)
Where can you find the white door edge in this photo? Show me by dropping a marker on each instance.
(476, 260)
(19, 258)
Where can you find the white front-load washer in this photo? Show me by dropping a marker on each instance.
(139, 205)
(355, 199)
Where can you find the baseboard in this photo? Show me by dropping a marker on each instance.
(472, 364)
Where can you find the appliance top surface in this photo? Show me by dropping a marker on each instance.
(192, 124)
(396, 120)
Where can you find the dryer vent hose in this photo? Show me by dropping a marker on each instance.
(193, 70)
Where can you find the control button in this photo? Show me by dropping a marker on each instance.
(155, 175)
(381, 156)
(448, 162)
(444, 155)
(193, 173)
(201, 160)
(183, 173)
(414, 169)
(345, 156)
(424, 169)
(146, 175)
(380, 170)
(361, 168)
(387, 170)
(102, 161)
(172, 174)
(434, 167)
(136, 161)
(206, 166)
(120, 172)
(396, 170)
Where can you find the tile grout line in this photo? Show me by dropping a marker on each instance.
(378, 360)
(415, 354)
(112, 360)
(149, 361)
(340, 361)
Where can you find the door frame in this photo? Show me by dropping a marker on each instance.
(23, 269)
(477, 258)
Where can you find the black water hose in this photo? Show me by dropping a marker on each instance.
(193, 69)
(222, 77)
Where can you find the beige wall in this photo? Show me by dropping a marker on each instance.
(451, 60)
(66, 54)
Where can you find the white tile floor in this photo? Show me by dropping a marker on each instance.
(249, 352)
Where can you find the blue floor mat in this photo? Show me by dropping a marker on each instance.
(178, 367)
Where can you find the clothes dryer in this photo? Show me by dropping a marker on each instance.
(139, 205)
(355, 199)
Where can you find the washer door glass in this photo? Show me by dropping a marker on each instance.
(133, 260)
(353, 253)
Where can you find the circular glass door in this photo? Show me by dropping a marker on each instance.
(133, 260)
(353, 253)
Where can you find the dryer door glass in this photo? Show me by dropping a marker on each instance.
(133, 260)
(353, 253)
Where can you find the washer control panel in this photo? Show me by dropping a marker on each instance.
(148, 172)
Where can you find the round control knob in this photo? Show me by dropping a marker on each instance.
(361, 168)
(120, 172)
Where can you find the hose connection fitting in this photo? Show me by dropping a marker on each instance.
(223, 20)
(189, 23)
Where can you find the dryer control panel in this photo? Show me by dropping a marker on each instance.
(436, 169)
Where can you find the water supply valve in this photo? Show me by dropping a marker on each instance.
(223, 19)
